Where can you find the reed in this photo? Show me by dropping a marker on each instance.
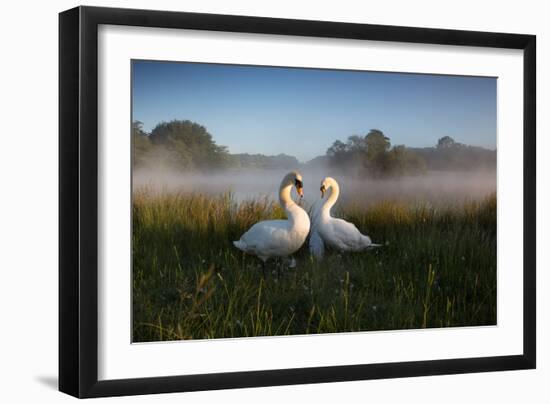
(437, 268)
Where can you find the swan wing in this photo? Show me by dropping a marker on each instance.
(346, 236)
(262, 234)
(268, 239)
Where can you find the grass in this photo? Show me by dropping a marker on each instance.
(437, 269)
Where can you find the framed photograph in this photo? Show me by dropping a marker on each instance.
(251, 201)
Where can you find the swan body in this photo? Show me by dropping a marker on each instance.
(332, 232)
(279, 238)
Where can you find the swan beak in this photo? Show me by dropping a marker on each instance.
(323, 190)
(300, 192)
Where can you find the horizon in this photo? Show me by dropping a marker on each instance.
(302, 111)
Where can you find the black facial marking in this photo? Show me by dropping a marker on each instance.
(298, 184)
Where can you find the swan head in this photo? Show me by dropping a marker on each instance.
(294, 178)
(326, 184)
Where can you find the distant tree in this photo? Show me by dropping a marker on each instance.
(376, 144)
(319, 162)
(403, 161)
(357, 143)
(372, 155)
(190, 145)
(337, 147)
(141, 145)
(450, 155)
(137, 128)
(340, 154)
(282, 161)
(377, 161)
(445, 142)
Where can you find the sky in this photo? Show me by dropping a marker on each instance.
(301, 112)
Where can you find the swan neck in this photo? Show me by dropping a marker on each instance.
(333, 197)
(284, 196)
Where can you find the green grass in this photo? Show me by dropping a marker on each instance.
(437, 269)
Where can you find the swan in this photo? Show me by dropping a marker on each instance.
(332, 232)
(279, 238)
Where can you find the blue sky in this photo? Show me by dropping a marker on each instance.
(268, 110)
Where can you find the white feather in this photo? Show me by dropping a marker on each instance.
(278, 238)
(332, 232)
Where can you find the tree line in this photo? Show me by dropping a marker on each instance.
(186, 145)
(372, 155)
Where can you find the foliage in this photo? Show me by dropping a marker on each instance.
(191, 143)
(402, 161)
(454, 156)
(376, 144)
(373, 156)
(141, 146)
(186, 145)
(445, 142)
(179, 145)
(436, 269)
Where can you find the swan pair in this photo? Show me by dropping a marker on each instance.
(282, 238)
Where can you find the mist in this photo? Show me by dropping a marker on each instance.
(433, 187)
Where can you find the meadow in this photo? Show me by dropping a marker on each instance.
(437, 268)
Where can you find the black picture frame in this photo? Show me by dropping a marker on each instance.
(78, 201)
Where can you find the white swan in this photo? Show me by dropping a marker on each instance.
(279, 238)
(332, 232)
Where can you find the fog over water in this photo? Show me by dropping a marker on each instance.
(433, 187)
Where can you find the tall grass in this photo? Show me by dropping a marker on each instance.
(436, 269)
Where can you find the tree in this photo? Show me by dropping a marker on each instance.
(190, 144)
(372, 155)
(445, 142)
(376, 160)
(449, 155)
(376, 144)
(403, 161)
(141, 145)
(357, 143)
(337, 148)
(338, 154)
